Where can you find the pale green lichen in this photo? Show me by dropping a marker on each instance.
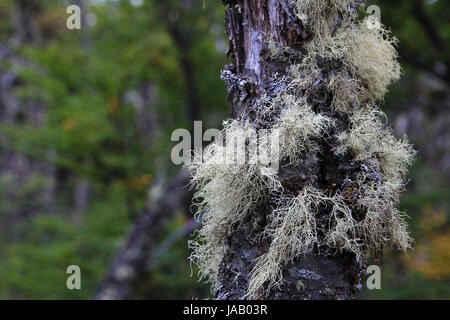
(369, 138)
(320, 16)
(368, 65)
(298, 126)
(368, 55)
(292, 230)
(227, 191)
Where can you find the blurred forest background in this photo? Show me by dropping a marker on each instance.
(85, 123)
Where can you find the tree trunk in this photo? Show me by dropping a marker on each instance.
(314, 276)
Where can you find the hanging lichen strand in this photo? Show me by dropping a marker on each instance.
(355, 64)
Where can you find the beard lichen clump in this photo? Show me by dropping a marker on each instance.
(382, 180)
(367, 61)
(354, 64)
(228, 188)
(319, 17)
(298, 126)
(369, 56)
(293, 229)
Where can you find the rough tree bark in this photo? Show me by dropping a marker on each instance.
(315, 276)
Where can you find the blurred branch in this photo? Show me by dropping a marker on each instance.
(8, 55)
(172, 239)
(27, 31)
(431, 30)
(427, 23)
(428, 67)
(183, 41)
(130, 265)
(87, 43)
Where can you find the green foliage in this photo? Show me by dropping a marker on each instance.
(84, 80)
(35, 267)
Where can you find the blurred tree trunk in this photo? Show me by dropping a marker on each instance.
(132, 262)
(18, 170)
(315, 276)
(24, 14)
(183, 40)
